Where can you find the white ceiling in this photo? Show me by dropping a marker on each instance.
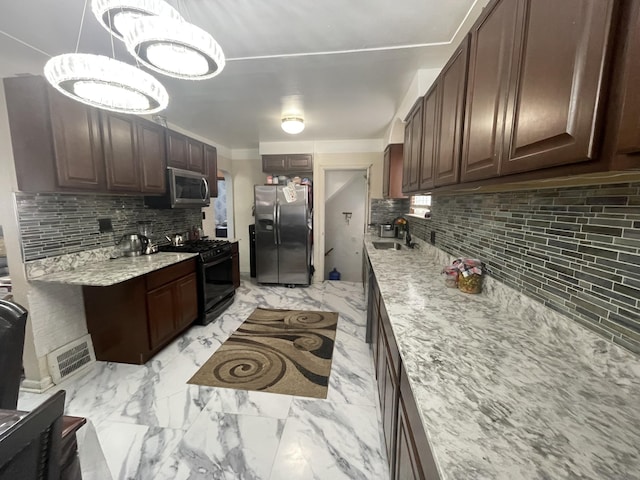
(350, 62)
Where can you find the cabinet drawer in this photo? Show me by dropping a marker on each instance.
(168, 274)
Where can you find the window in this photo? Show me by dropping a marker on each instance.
(420, 206)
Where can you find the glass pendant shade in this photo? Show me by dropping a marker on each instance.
(116, 15)
(293, 125)
(174, 48)
(106, 83)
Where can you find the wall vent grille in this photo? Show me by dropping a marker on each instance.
(71, 358)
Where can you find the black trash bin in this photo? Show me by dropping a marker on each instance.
(13, 319)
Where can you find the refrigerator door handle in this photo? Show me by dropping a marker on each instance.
(278, 223)
(275, 223)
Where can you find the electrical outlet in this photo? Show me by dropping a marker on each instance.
(105, 226)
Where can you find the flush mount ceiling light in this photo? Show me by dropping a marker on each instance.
(115, 15)
(174, 48)
(106, 83)
(293, 125)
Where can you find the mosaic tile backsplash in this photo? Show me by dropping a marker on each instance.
(576, 250)
(385, 210)
(59, 224)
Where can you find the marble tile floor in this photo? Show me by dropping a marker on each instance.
(152, 425)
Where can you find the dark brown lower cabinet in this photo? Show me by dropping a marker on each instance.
(406, 444)
(131, 321)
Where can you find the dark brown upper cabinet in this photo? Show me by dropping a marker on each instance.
(185, 153)
(412, 150)
(556, 84)
(211, 158)
(430, 127)
(392, 171)
(152, 156)
(535, 87)
(287, 164)
(451, 86)
(120, 152)
(134, 154)
(56, 141)
(490, 56)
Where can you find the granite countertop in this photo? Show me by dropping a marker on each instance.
(109, 272)
(506, 388)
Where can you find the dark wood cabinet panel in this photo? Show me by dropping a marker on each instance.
(235, 265)
(430, 129)
(287, 164)
(211, 159)
(131, 321)
(451, 97)
(152, 154)
(412, 150)
(407, 466)
(57, 142)
(120, 152)
(187, 300)
(490, 64)
(195, 157)
(177, 150)
(557, 84)
(628, 141)
(161, 311)
(392, 171)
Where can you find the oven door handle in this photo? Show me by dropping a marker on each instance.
(217, 261)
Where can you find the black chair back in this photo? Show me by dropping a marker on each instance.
(13, 319)
(30, 448)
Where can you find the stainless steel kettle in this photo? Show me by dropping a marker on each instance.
(131, 245)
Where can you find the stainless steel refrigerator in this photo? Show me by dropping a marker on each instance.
(283, 234)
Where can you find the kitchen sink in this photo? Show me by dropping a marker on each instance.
(387, 245)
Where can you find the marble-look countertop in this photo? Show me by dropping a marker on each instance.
(506, 388)
(109, 272)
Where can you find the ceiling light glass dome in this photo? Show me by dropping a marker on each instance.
(293, 125)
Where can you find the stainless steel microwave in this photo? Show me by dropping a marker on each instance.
(185, 189)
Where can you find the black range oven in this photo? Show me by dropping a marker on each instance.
(215, 282)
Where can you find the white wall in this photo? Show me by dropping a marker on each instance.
(36, 373)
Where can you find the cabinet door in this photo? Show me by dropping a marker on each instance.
(407, 466)
(77, 143)
(429, 136)
(395, 170)
(211, 159)
(152, 157)
(186, 291)
(299, 163)
(490, 59)
(629, 132)
(386, 165)
(120, 152)
(557, 84)
(413, 152)
(195, 156)
(388, 390)
(273, 164)
(451, 91)
(161, 310)
(177, 152)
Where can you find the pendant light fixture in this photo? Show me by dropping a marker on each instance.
(115, 15)
(174, 48)
(293, 124)
(105, 82)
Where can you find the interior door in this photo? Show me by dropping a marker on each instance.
(293, 237)
(266, 239)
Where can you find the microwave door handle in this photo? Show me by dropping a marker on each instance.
(205, 184)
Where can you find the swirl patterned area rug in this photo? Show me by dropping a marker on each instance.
(277, 351)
